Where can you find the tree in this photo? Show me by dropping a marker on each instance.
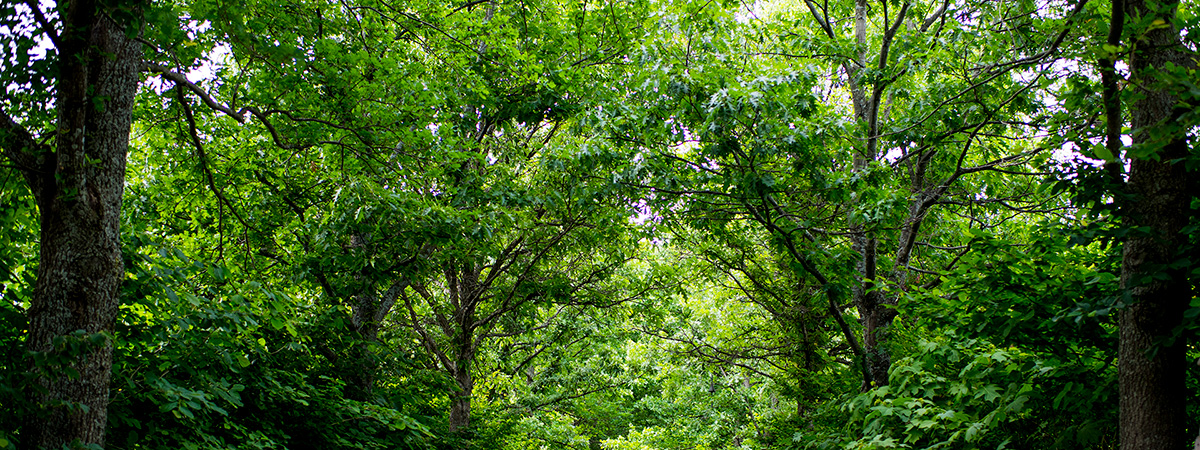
(1156, 267)
(869, 182)
(518, 224)
(407, 173)
(901, 82)
(70, 146)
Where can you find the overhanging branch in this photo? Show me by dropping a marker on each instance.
(238, 115)
(21, 149)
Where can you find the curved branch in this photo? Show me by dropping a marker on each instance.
(822, 20)
(762, 215)
(238, 115)
(937, 15)
(19, 146)
(203, 157)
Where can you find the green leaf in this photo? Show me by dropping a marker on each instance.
(1102, 152)
(989, 392)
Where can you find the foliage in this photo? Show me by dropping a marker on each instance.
(231, 363)
(963, 393)
(17, 247)
(622, 224)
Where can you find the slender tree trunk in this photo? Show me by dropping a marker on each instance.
(78, 186)
(360, 379)
(367, 313)
(868, 304)
(1151, 370)
(465, 295)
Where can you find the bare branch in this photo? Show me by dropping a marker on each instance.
(426, 339)
(560, 398)
(182, 80)
(821, 19)
(467, 6)
(238, 115)
(203, 157)
(47, 27)
(937, 15)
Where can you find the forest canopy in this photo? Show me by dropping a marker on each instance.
(599, 224)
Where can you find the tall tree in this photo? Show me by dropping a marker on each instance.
(1155, 266)
(418, 158)
(868, 180)
(71, 148)
(880, 72)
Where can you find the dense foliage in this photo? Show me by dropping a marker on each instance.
(612, 224)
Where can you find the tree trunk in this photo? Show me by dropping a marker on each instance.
(1151, 370)
(78, 187)
(460, 398)
(877, 318)
(874, 316)
(367, 313)
(465, 294)
(360, 379)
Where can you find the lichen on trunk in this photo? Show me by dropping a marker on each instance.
(78, 186)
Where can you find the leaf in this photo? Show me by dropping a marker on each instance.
(989, 392)
(1089, 433)
(973, 432)
(1017, 405)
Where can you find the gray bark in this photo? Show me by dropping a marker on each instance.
(460, 398)
(368, 310)
(1151, 370)
(78, 186)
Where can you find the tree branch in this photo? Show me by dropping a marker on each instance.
(47, 27)
(203, 157)
(426, 340)
(22, 149)
(1111, 93)
(937, 15)
(238, 115)
(822, 20)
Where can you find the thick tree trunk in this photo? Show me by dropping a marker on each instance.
(460, 397)
(1152, 384)
(78, 188)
